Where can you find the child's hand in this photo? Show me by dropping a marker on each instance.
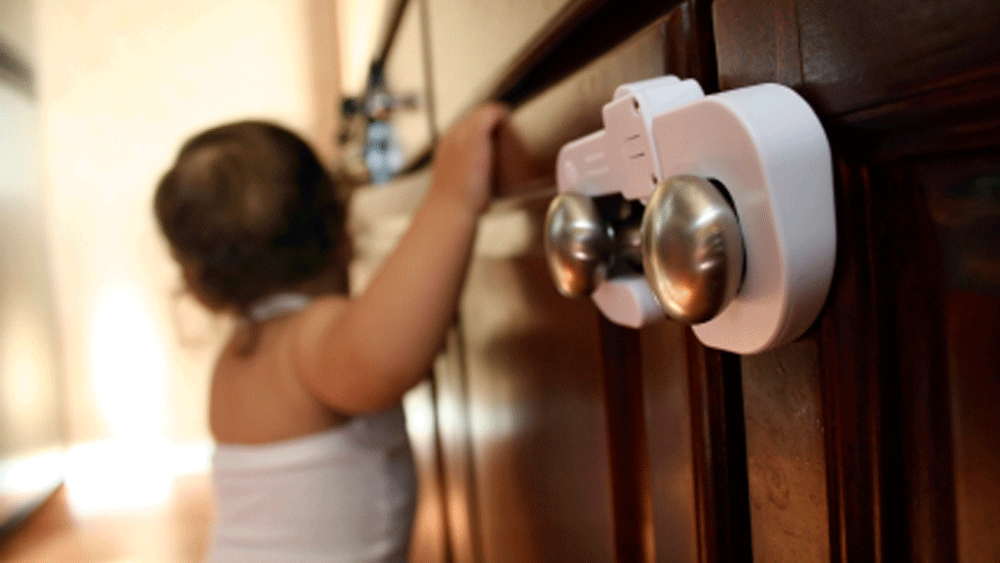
(463, 160)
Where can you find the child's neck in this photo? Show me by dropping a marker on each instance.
(332, 280)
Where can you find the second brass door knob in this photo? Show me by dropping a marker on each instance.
(692, 248)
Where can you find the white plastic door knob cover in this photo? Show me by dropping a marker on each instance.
(769, 150)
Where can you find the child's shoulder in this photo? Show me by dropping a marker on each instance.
(316, 318)
(276, 338)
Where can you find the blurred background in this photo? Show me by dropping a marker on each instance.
(104, 362)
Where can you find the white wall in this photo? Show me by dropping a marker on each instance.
(31, 406)
(121, 84)
(360, 24)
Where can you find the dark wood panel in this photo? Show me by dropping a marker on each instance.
(429, 541)
(857, 54)
(915, 370)
(757, 41)
(860, 450)
(673, 482)
(629, 450)
(948, 356)
(847, 55)
(720, 454)
(461, 510)
(536, 400)
(690, 44)
(973, 335)
(950, 119)
(786, 465)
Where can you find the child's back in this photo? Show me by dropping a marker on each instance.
(293, 477)
(259, 398)
(313, 463)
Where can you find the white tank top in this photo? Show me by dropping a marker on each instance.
(344, 495)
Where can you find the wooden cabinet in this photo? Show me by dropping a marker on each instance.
(906, 92)
(874, 437)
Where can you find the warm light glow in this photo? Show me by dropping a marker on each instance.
(28, 389)
(129, 474)
(128, 364)
(30, 474)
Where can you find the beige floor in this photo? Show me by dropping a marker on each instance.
(174, 532)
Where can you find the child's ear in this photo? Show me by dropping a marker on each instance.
(189, 272)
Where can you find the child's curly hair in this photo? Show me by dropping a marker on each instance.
(249, 211)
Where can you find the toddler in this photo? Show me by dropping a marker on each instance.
(312, 461)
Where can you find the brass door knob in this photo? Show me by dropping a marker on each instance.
(692, 249)
(578, 244)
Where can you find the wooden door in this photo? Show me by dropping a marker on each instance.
(874, 437)
(897, 374)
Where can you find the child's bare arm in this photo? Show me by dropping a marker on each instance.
(365, 355)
